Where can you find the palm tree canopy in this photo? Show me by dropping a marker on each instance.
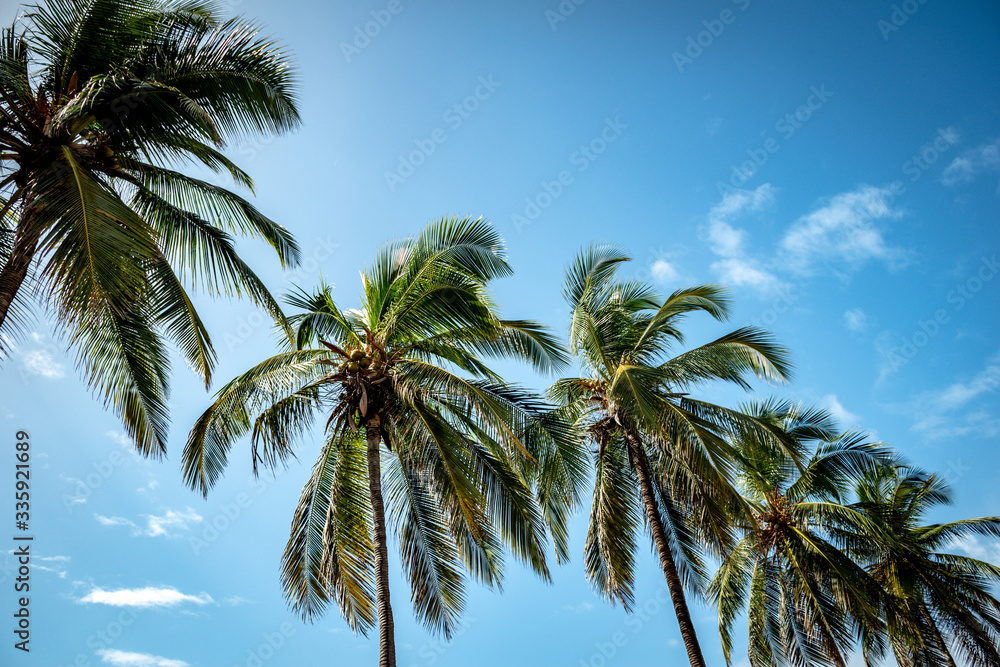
(624, 336)
(806, 599)
(462, 448)
(944, 598)
(101, 102)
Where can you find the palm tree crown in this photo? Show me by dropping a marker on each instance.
(808, 601)
(657, 447)
(100, 100)
(941, 601)
(461, 447)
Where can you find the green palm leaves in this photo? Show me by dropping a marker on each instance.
(661, 455)
(943, 601)
(806, 598)
(834, 556)
(406, 370)
(95, 221)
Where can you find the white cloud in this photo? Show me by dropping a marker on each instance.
(113, 520)
(161, 525)
(744, 272)
(949, 413)
(119, 437)
(845, 418)
(127, 659)
(736, 202)
(60, 572)
(144, 597)
(960, 170)
(735, 267)
(236, 600)
(166, 525)
(40, 362)
(972, 547)
(960, 393)
(855, 319)
(843, 232)
(725, 240)
(663, 271)
(972, 162)
(581, 608)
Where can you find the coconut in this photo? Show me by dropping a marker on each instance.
(357, 354)
(365, 362)
(353, 367)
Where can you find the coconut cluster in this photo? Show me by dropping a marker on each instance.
(358, 360)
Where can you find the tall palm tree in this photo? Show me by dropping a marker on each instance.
(808, 601)
(944, 601)
(657, 447)
(461, 448)
(100, 102)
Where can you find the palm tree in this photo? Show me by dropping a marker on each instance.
(807, 599)
(99, 101)
(462, 448)
(656, 446)
(943, 600)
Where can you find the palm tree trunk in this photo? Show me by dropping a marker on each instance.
(936, 634)
(386, 628)
(16, 269)
(674, 584)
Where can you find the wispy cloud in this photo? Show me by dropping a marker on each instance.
(42, 363)
(113, 520)
(736, 267)
(973, 547)
(953, 411)
(127, 659)
(163, 525)
(664, 271)
(845, 418)
(56, 567)
(582, 608)
(844, 234)
(144, 597)
(856, 320)
(167, 525)
(236, 600)
(972, 162)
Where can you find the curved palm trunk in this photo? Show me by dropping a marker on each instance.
(16, 269)
(666, 558)
(936, 635)
(386, 628)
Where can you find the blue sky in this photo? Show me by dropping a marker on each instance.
(836, 164)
